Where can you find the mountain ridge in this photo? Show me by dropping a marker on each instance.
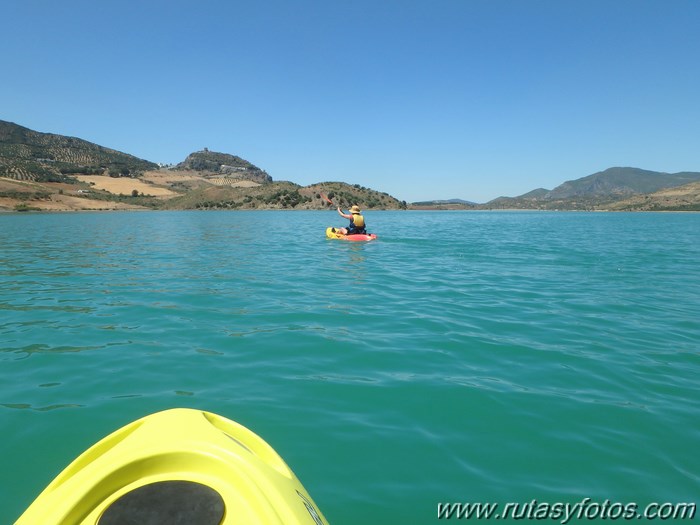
(598, 191)
(50, 171)
(620, 181)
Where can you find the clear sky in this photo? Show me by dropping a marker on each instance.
(422, 99)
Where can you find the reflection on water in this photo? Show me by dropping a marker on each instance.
(25, 406)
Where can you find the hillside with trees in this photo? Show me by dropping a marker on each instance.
(600, 191)
(27, 155)
(44, 171)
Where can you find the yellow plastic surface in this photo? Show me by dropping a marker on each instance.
(333, 235)
(255, 483)
(357, 237)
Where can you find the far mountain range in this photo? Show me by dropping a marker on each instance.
(46, 171)
(615, 189)
(630, 189)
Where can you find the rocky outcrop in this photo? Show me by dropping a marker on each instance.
(217, 164)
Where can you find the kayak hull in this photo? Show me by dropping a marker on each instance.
(354, 237)
(159, 463)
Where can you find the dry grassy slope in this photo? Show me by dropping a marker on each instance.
(683, 198)
(54, 196)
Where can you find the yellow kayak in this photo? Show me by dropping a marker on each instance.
(176, 467)
(332, 234)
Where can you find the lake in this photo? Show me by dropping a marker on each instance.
(461, 357)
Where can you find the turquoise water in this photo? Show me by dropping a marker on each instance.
(462, 357)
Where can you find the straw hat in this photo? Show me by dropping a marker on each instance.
(355, 209)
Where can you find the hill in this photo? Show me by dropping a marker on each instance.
(680, 198)
(449, 204)
(618, 182)
(44, 171)
(599, 191)
(232, 167)
(27, 155)
(282, 195)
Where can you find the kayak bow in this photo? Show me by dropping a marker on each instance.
(176, 467)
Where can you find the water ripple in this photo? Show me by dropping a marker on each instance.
(462, 356)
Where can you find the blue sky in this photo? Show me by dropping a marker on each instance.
(428, 99)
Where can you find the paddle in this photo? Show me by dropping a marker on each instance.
(331, 203)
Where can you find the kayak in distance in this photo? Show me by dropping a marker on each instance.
(176, 467)
(332, 234)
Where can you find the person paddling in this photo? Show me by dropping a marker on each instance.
(357, 221)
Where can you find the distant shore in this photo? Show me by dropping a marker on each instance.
(188, 189)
